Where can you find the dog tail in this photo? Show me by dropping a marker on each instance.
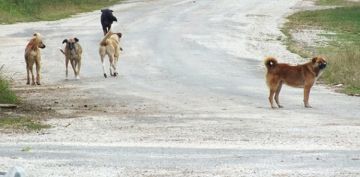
(107, 36)
(62, 51)
(270, 62)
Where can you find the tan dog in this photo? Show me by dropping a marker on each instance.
(110, 46)
(72, 53)
(304, 75)
(32, 55)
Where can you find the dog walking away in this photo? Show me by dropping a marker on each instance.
(303, 75)
(110, 46)
(107, 18)
(33, 55)
(72, 53)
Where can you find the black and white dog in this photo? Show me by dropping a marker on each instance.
(107, 18)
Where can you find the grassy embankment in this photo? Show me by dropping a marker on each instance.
(343, 49)
(12, 11)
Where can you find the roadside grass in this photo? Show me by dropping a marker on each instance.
(337, 3)
(13, 11)
(6, 95)
(21, 124)
(342, 52)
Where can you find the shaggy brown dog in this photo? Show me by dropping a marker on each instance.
(110, 46)
(72, 53)
(304, 75)
(32, 55)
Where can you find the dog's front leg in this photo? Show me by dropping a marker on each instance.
(73, 65)
(306, 95)
(38, 67)
(78, 69)
(66, 67)
(32, 76)
(277, 95)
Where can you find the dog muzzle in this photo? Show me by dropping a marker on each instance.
(322, 66)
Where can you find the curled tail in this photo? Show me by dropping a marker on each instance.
(270, 62)
(107, 36)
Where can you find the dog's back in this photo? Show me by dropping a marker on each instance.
(107, 17)
(290, 75)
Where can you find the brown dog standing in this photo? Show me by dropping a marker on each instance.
(304, 75)
(72, 53)
(32, 55)
(110, 46)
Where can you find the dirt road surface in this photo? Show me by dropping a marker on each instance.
(190, 99)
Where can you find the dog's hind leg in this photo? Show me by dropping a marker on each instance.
(28, 74)
(277, 94)
(102, 56)
(109, 27)
(112, 66)
(105, 29)
(271, 97)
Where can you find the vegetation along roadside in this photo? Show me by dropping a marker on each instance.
(335, 34)
(13, 11)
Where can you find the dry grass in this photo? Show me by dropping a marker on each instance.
(343, 52)
(344, 67)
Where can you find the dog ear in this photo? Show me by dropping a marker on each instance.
(65, 41)
(119, 34)
(313, 60)
(76, 39)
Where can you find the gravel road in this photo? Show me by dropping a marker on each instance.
(190, 100)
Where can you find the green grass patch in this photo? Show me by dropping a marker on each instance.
(336, 3)
(20, 123)
(342, 52)
(12, 11)
(6, 95)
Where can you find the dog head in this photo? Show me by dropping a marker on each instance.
(319, 62)
(38, 40)
(70, 43)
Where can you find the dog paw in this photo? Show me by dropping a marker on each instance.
(27, 83)
(105, 75)
(38, 83)
(280, 106)
(308, 106)
(115, 74)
